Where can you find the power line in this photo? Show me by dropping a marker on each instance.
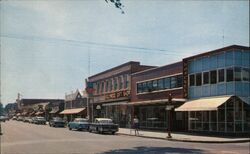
(100, 45)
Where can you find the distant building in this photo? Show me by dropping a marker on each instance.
(75, 105)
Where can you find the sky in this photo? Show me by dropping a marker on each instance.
(48, 48)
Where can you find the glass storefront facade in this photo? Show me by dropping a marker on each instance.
(232, 116)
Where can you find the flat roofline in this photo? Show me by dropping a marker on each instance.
(155, 68)
(119, 66)
(217, 51)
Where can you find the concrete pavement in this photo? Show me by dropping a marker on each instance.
(182, 137)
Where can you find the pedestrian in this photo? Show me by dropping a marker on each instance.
(136, 125)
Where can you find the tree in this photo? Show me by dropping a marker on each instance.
(117, 4)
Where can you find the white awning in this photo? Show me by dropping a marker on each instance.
(72, 111)
(203, 104)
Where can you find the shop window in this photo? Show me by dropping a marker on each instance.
(198, 79)
(213, 77)
(139, 88)
(237, 74)
(246, 74)
(173, 82)
(206, 78)
(155, 84)
(221, 74)
(191, 80)
(167, 83)
(179, 81)
(161, 84)
(230, 74)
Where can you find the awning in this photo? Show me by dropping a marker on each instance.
(54, 111)
(159, 101)
(72, 111)
(39, 113)
(203, 104)
(116, 103)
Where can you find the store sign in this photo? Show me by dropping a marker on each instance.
(119, 94)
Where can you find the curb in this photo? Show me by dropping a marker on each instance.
(185, 140)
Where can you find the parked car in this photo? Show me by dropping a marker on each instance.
(14, 118)
(33, 119)
(26, 119)
(20, 118)
(57, 122)
(4, 118)
(79, 124)
(102, 125)
(40, 120)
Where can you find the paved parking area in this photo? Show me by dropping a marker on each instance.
(24, 138)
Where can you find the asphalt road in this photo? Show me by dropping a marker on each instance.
(24, 138)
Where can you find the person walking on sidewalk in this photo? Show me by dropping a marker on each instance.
(136, 125)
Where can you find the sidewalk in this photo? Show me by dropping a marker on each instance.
(182, 137)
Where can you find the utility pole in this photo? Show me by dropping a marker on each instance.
(169, 115)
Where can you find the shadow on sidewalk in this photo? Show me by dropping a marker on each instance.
(157, 150)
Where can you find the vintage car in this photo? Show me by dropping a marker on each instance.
(14, 118)
(26, 119)
(102, 125)
(57, 122)
(79, 124)
(20, 118)
(40, 120)
(4, 118)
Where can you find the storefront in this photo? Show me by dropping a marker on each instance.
(228, 114)
(71, 114)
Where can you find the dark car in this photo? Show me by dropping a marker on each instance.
(102, 125)
(57, 122)
(40, 120)
(79, 124)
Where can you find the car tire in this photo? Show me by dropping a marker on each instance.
(70, 128)
(113, 133)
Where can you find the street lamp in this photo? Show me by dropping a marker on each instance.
(169, 108)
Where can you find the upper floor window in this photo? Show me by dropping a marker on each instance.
(237, 74)
(107, 86)
(173, 82)
(206, 78)
(198, 79)
(160, 84)
(221, 75)
(230, 74)
(213, 77)
(120, 82)
(179, 81)
(246, 74)
(110, 85)
(149, 86)
(155, 84)
(98, 88)
(139, 88)
(191, 80)
(167, 83)
(102, 87)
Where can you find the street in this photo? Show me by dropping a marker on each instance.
(24, 138)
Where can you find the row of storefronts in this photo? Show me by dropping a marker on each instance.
(210, 93)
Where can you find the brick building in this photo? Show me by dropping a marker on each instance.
(149, 96)
(112, 92)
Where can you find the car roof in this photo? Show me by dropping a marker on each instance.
(103, 119)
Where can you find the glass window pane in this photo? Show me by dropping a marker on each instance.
(230, 74)
(213, 61)
(173, 82)
(198, 79)
(246, 58)
(139, 87)
(237, 74)
(221, 75)
(191, 80)
(213, 77)
(237, 55)
(167, 83)
(221, 60)
(245, 74)
(179, 80)
(155, 84)
(149, 86)
(144, 86)
(205, 63)
(160, 84)
(206, 78)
